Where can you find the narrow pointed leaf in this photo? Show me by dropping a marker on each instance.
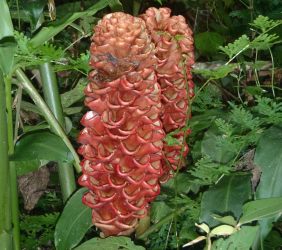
(260, 209)
(73, 223)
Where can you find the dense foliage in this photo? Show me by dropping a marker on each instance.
(228, 196)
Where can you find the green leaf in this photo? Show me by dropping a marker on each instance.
(73, 110)
(37, 127)
(8, 47)
(264, 41)
(73, 223)
(268, 158)
(34, 10)
(273, 241)
(207, 172)
(204, 227)
(227, 196)
(242, 239)
(76, 94)
(225, 219)
(208, 42)
(110, 243)
(53, 29)
(7, 41)
(116, 5)
(264, 23)
(24, 167)
(27, 106)
(260, 209)
(217, 73)
(4, 239)
(41, 146)
(254, 90)
(222, 230)
(6, 28)
(183, 183)
(218, 146)
(159, 210)
(237, 47)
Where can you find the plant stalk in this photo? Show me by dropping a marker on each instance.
(13, 170)
(53, 100)
(50, 118)
(5, 216)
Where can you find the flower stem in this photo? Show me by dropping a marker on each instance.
(13, 170)
(5, 216)
(52, 98)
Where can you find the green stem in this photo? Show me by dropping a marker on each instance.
(53, 100)
(13, 170)
(5, 217)
(50, 118)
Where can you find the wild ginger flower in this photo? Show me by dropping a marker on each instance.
(175, 52)
(122, 138)
(136, 94)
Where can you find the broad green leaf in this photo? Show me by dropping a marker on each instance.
(227, 196)
(268, 158)
(7, 41)
(110, 243)
(260, 209)
(41, 146)
(240, 240)
(24, 167)
(53, 29)
(73, 223)
(208, 42)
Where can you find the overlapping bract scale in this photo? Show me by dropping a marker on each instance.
(136, 93)
(122, 139)
(174, 45)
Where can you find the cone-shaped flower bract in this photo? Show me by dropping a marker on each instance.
(122, 138)
(175, 53)
(136, 94)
